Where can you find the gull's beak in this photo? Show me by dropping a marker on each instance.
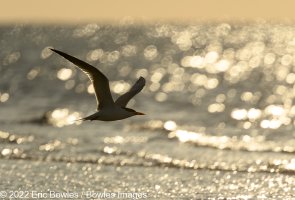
(139, 113)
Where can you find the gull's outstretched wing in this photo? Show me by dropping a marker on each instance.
(136, 88)
(99, 80)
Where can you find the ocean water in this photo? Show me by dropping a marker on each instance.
(218, 99)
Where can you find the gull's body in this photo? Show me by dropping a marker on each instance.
(108, 110)
(111, 114)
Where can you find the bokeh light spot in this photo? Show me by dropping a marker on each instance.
(64, 74)
(150, 52)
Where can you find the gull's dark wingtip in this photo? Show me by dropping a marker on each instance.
(53, 50)
(141, 78)
(66, 56)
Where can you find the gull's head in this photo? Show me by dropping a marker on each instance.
(133, 112)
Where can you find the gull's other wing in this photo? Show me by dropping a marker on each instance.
(136, 88)
(99, 80)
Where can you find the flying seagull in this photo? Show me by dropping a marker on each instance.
(107, 109)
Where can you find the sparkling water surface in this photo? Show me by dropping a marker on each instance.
(219, 104)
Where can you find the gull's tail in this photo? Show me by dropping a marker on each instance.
(77, 120)
(74, 121)
(90, 117)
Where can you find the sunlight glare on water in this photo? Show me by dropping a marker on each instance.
(63, 117)
(33, 73)
(183, 40)
(209, 58)
(119, 87)
(86, 31)
(129, 50)
(4, 97)
(95, 55)
(90, 89)
(170, 125)
(11, 58)
(150, 52)
(64, 74)
(46, 52)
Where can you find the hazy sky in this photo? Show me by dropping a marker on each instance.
(92, 10)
